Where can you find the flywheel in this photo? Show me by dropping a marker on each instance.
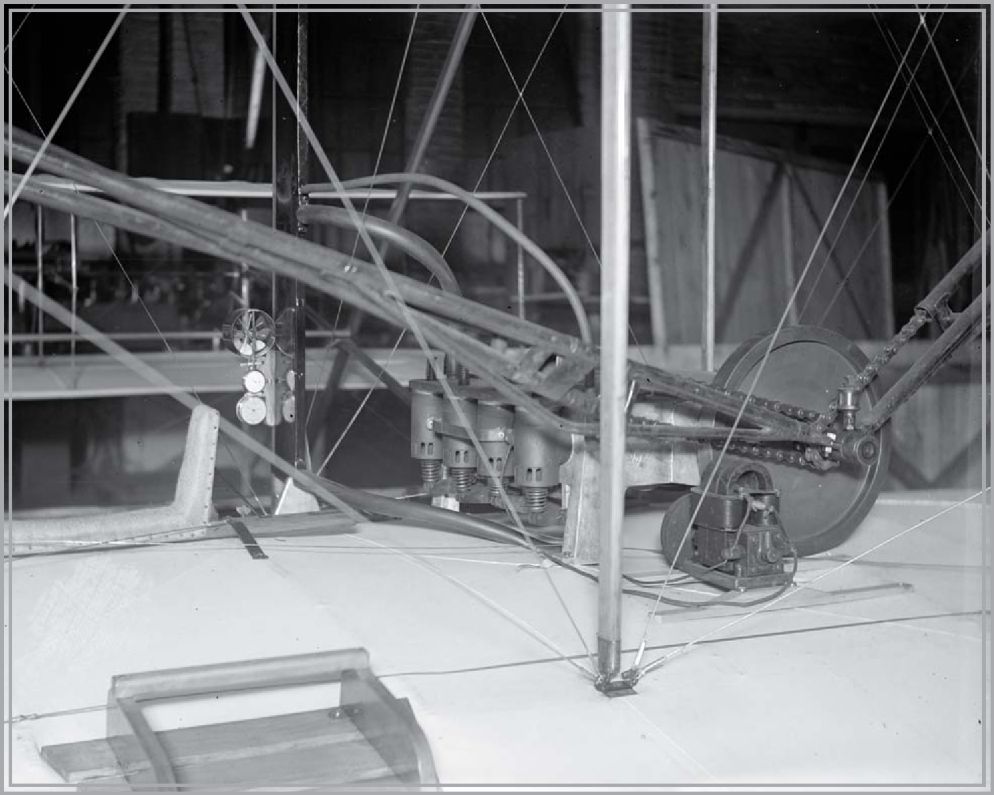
(806, 366)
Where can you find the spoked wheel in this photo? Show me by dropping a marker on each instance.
(806, 366)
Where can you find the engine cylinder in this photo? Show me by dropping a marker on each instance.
(459, 453)
(426, 406)
(494, 426)
(538, 452)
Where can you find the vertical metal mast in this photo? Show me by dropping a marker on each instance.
(709, 97)
(616, 92)
(290, 156)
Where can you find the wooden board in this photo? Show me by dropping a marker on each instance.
(299, 749)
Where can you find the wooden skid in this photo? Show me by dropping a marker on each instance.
(306, 748)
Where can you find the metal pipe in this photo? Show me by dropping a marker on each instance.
(411, 244)
(138, 336)
(241, 189)
(300, 253)
(959, 331)
(939, 294)
(478, 355)
(519, 218)
(244, 283)
(224, 247)
(74, 269)
(616, 88)
(787, 219)
(709, 87)
(501, 223)
(255, 98)
(290, 151)
(370, 300)
(327, 271)
(40, 270)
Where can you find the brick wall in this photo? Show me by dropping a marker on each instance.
(433, 35)
(197, 53)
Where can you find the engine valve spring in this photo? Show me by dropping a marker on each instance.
(462, 477)
(535, 497)
(431, 472)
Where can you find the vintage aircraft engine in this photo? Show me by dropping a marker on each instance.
(524, 456)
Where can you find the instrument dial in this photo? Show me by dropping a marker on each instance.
(251, 409)
(254, 381)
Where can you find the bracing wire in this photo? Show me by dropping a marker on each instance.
(386, 127)
(552, 162)
(931, 121)
(952, 90)
(18, 28)
(393, 293)
(401, 335)
(865, 176)
(890, 201)
(66, 108)
(507, 123)
(376, 168)
(773, 338)
(420, 560)
(403, 332)
(930, 118)
(365, 207)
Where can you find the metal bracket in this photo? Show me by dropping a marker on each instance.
(616, 688)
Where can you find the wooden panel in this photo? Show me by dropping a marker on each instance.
(303, 748)
(754, 227)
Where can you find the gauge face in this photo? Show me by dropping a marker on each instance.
(254, 381)
(251, 409)
(250, 332)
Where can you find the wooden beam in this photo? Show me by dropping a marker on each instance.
(653, 264)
